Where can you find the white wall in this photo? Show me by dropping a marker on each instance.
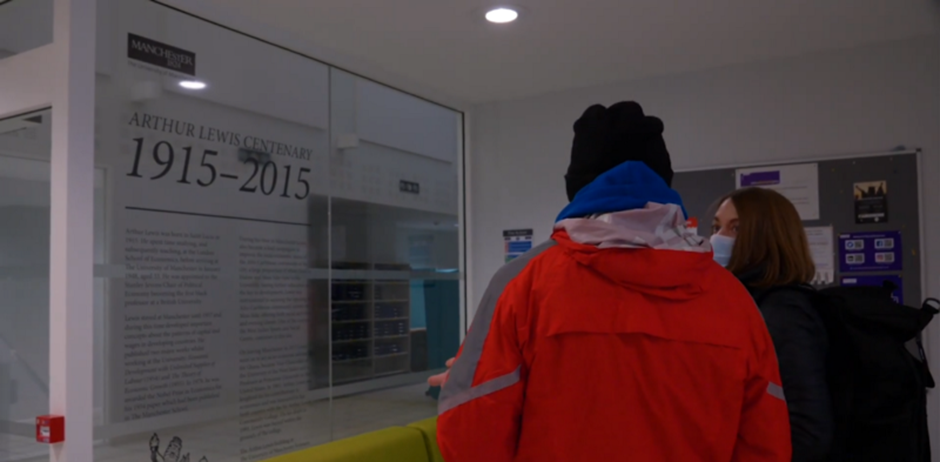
(860, 100)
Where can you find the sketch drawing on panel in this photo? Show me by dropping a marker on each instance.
(173, 452)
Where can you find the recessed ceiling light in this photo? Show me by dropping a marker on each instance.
(192, 84)
(502, 15)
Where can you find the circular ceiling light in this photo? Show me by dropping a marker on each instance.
(502, 15)
(192, 84)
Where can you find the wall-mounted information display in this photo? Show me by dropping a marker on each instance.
(871, 202)
(852, 225)
(799, 183)
(897, 294)
(516, 242)
(877, 251)
(253, 270)
(821, 248)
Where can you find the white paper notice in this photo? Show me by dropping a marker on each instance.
(822, 248)
(798, 183)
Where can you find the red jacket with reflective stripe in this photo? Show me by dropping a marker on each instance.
(584, 354)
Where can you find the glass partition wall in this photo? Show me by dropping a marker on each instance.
(277, 254)
(24, 285)
(25, 151)
(24, 25)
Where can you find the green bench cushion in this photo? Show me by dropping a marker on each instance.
(396, 444)
(428, 429)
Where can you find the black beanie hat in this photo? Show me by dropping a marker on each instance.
(607, 137)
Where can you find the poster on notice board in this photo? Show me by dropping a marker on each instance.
(871, 202)
(878, 281)
(516, 243)
(822, 248)
(798, 183)
(870, 252)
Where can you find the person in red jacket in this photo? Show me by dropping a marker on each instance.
(620, 338)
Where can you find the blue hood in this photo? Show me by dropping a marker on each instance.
(630, 185)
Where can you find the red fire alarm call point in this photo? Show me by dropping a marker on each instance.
(50, 429)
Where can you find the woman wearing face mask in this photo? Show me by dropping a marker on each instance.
(758, 235)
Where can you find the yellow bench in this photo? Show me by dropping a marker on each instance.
(428, 429)
(396, 444)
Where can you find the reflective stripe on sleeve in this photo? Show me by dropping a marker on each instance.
(480, 391)
(459, 387)
(776, 391)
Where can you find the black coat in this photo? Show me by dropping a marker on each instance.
(800, 340)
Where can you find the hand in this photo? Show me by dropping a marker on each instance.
(439, 379)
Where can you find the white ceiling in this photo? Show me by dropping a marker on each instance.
(561, 44)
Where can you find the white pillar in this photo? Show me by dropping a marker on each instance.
(71, 330)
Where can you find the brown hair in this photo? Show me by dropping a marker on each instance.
(770, 238)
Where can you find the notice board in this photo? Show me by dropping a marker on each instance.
(871, 202)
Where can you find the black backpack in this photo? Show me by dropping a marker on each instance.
(877, 373)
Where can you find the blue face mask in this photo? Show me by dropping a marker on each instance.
(722, 246)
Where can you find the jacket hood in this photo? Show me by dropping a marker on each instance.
(649, 250)
(630, 185)
(659, 273)
(655, 226)
(629, 226)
